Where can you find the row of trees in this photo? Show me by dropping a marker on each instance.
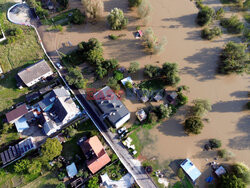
(193, 124)
(168, 73)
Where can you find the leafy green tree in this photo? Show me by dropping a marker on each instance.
(93, 182)
(101, 72)
(61, 185)
(113, 84)
(234, 59)
(75, 77)
(152, 71)
(232, 24)
(134, 67)
(77, 17)
(240, 170)
(170, 73)
(214, 143)
(116, 19)
(193, 125)
(35, 167)
(134, 3)
(200, 107)
(50, 149)
(93, 8)
(205, 16)
(231, 181)
(22, 166)
(164, 112)
(118, 75)
(110, 64)
(180, 174)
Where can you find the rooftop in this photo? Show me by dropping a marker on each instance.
(16, 113)
(190, 169)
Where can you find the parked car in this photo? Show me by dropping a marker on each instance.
(124, 133)
(59, 66)
(121, 130)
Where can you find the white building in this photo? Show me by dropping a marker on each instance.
(190, 169)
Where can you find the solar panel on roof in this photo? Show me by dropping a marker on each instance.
(3, 158)
(21, 150)
(32, 146)
(14, 151)
(10, 154)
(17, 149)
(6, 156)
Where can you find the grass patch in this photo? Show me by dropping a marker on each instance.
(136, 141)
(184, 183)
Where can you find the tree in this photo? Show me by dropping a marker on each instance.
(35, 167)
(22, 166)
(193, 125)
(214, 143)
(209, 34)
(77, 17)
(234, 59)
(134, 67)
(200, 107)
(51, 149)
(164, 112)
(231, 181)
(60, 185)
(110, 64)
(152, 117)
(113, 84)
(101, 72)
(118, 75)
(205, 16)
(75, 77)
(170, 73)
(134, 3)
(116, 19)
(144, 10)
(225, 154)
(152, 71)
(6, 128)
(181, 99)
(93, 182)
(240, 170)
(93, 8)
(232, 24)
(180, 174)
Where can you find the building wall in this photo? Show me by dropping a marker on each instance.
(122, 121)
(38, 79)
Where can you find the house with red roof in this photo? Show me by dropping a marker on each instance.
(15, 114)
(95, 154)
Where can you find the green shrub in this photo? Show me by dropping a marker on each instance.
(230, 181)
(118, 75)
(152, 71)
(134, 67)
(113, 37)
(170, 73)
(234, 59)
(60, 185)
(205, 16)
(199, 4)
(55, 28)
(152, 117)
(225, 154)
(193, 125)
(75, 77)
(129, 85)
(232, 24)
(240, 170)
(180, 174)
(93, 182)
(200, 107)
(61, 176)
(209, 34)
(116, 19)
(181, 99)
(35, 167)
(22, 166)
(214, 143)
(113, 84)
(163, 111)
(77, 17)
(219, 14)
(134, 3)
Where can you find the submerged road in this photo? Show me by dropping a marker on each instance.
(132, 165)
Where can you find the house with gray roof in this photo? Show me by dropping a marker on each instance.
(111, 107)
(35, 73)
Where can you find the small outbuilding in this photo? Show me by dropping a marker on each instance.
(220, 171)
(190, 169)
(141, 115)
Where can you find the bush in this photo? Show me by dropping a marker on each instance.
(93, 8)
(170, 73)
(234, 59)
(152, 71)
(152, 117)
(72, 132)
(231, 181)
(209, 34)
(110, 64)
(163, 111)
(232, 24)
(116, 19)
(6, 128)
(75, 77)
(193, 125)
(93, 182)
(35, 167)
(101, 72)
(214, 143)
(55, 28)
(60, 185)
(61, 176)
(240, 170)
(225, 154)
(134, 3)
(77, 17)
(219, 14)
(199, 4)
(144, 10)
(118, 75)
(129, 85)
(180, 174)
(205, 16)
(113, 37)
(200, 107)
(22, 166)
(181, 99)
(134, 67)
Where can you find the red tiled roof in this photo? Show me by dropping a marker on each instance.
(16, 113)
(100, 159)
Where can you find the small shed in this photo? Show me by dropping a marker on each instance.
(144, 99)
(157, 97)
(220, 171)
(71, 170)
(141, 115)
(21, 124)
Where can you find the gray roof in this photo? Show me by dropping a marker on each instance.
(34, 71)
(110, 105)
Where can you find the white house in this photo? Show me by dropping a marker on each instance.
(190, 169)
